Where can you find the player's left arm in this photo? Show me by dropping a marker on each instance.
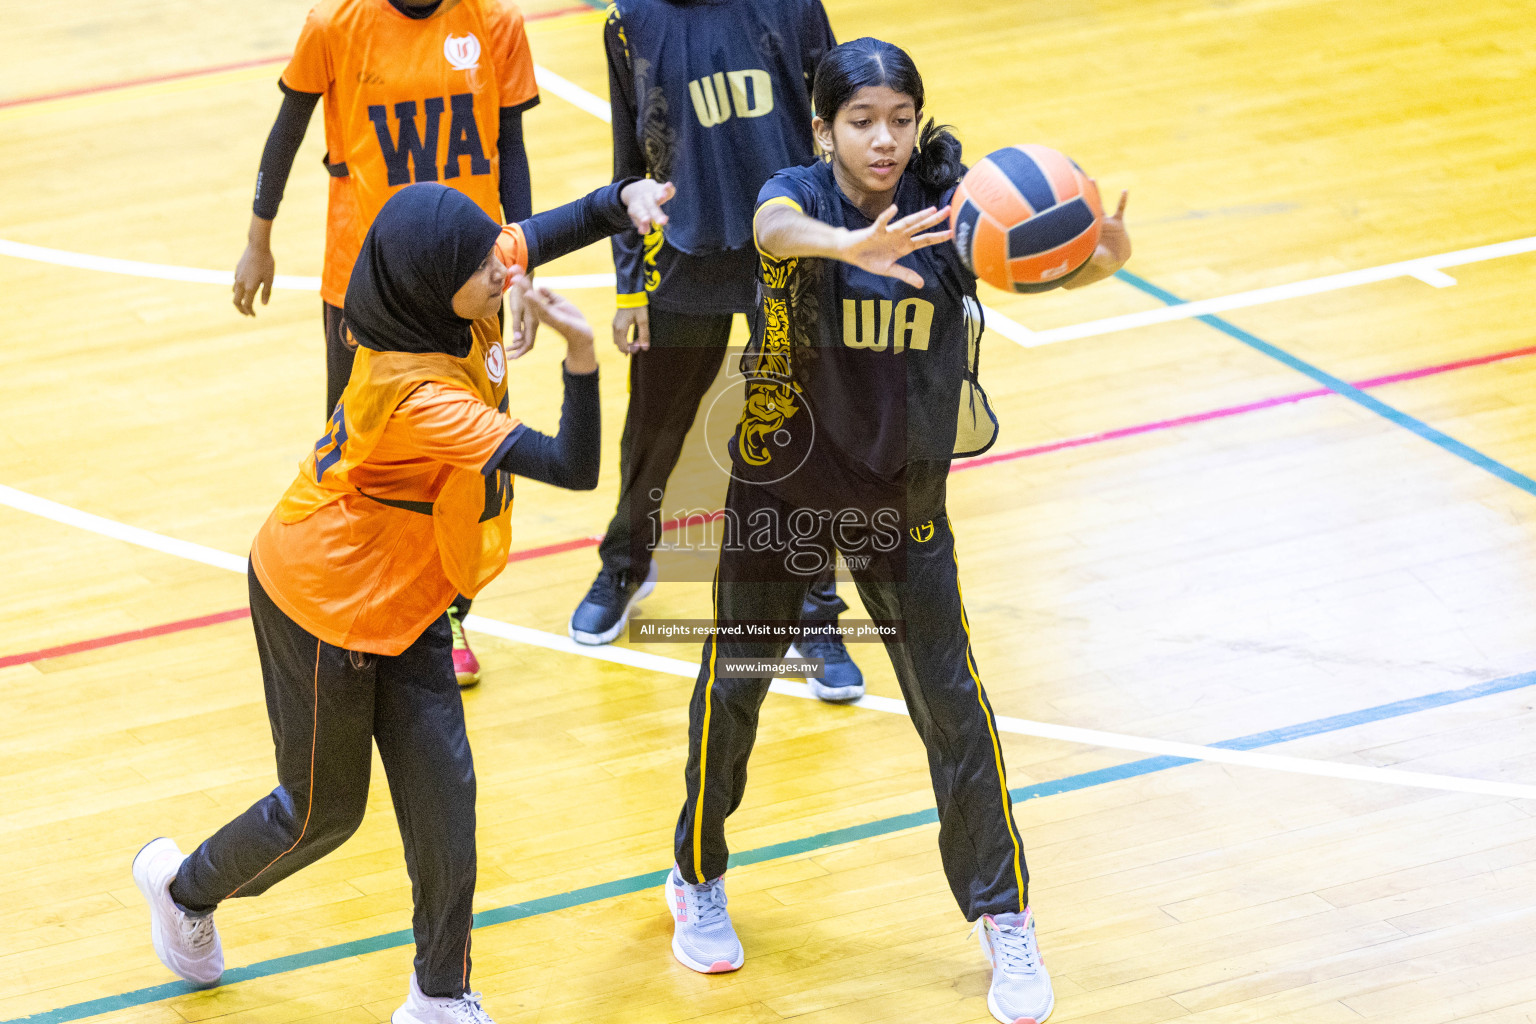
(631, 317)
(519, 92)
(1114, 249)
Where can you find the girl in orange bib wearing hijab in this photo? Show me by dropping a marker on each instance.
(403, 503)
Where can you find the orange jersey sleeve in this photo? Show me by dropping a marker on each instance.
(309, 69)
(510, 53)
(449, 425)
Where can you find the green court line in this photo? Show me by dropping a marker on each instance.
(791, 848)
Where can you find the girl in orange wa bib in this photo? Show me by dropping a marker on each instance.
(403, 503)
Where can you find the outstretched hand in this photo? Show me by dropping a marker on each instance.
(879, 247)
(1113, 235)
(645, 199)
(1113, 250)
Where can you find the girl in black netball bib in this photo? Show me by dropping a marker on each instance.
(861, 387)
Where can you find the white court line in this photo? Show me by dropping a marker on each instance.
(24, 502)
(1425, 268)
(196, 275)
(572, 93)
(1429, 269)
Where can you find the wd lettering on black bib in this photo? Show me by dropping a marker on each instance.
(724, 102)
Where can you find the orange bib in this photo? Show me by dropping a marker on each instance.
(472, 514)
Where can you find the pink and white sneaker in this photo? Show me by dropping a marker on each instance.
(702, 936)
(466, 667)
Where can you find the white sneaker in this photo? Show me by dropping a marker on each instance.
(702, 936)
(425, 1009)
(1021, 988)
(188, 945)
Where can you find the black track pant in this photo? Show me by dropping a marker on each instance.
(327, 707)
(666, 384)
(978, 841)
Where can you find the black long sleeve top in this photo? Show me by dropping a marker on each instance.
(571, 458)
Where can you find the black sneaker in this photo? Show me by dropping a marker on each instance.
(603, 612)
(841, 680)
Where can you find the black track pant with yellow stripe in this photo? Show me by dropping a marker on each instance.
(978, 841)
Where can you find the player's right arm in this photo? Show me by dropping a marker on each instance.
(303, 82)
(783, 230)
(257, 268)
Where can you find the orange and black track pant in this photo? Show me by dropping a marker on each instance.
(327, 707)
(917, 586)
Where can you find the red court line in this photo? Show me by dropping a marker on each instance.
(554, 549)
(697, 519)
(530, 554)
(123, 638)
(176, 76)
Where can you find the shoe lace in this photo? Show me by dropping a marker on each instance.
(198, 933)
(707, 902)
(467, 1008)
(609, 589)
(823, 644)
(456, 627)
(1013, 947)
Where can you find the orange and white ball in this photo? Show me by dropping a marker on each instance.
(1025, 217)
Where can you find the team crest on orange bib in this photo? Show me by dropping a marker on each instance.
(463, 52)
(495, 363)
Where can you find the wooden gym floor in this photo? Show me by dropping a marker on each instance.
(1192, 531)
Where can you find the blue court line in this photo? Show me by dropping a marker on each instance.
(791, 848)
(1345, 389)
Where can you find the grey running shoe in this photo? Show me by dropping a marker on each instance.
(420, 1008)
(1021, 988)
(702, 936)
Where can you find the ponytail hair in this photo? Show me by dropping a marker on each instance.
(860, 63)
(937, 160)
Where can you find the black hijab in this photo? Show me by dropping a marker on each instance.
(426, 242)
